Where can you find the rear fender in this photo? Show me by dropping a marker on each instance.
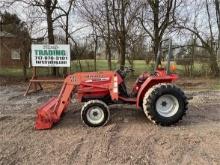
(151, 81)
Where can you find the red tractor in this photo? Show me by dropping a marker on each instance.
(162, 101)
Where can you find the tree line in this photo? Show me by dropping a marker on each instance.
(125, 26)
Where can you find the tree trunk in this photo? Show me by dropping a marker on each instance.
(214, 65)
(156, 27)
(25, 64)
(122, 36)
(80, 65)
(192, 56)
(55, 71)
(24, 55)
(95, 52)
(24, 72)
(67, 42)
(156, 47)
(109, 54)
(217, 9)
(122, 53)
(108, 44)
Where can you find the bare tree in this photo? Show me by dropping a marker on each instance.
(95, 39)
(157, 18)
(97, 16)
(123, 20)
(207, 38)
(118, 12)
(49, 6)
(64, 22)
(113, 20)
(217, 10)
(65, 17)
(108, 37)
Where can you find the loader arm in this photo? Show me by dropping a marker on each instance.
(51, 112)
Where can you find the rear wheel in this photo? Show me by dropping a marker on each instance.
(165, 104)
(95, 113)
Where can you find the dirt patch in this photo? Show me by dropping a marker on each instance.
(129, 138)
(198, 84)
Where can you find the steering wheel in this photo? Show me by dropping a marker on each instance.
(128, 69)
(123, 72)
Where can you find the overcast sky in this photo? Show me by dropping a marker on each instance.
(76, 22)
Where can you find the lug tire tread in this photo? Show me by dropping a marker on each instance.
(149, 98)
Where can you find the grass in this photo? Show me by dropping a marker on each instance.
(18, 73)
(88, 65)
(216, 86)
(139, 66)
(11, 72)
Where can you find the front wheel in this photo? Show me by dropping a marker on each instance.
(95, 113)
(165, 104)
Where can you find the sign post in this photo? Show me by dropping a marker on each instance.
(47, 56)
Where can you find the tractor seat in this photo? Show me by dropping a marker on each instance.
(143, 77)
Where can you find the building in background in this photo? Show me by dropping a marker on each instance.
(10, 51)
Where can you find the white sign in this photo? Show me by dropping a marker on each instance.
(50, 55)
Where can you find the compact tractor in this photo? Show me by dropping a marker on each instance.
(162, 101)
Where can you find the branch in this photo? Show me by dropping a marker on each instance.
(146, 30)
(194, 32)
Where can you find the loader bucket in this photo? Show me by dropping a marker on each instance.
(50, 112)
(46, 114)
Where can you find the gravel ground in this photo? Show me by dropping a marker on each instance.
(129, 137)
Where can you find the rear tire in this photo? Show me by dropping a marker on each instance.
(165, 104)
(95, 113)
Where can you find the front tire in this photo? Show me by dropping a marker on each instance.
(95, 113)
(165, 104)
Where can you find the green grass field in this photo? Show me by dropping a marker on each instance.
(140, 66)
(88, 65)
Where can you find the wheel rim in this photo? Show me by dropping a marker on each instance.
(95, 115)
(167, 105)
